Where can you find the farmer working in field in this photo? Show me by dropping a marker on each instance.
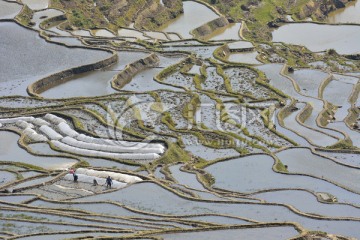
(108, 182)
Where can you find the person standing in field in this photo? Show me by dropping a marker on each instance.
(108, 182)
(75, 177)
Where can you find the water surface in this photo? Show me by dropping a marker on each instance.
(230, 32)
(96, 83)
(36, 4)
(349, 14)
(10, 151)
(271, 233)
(195, 15)
(9, 10)
(318, 37)
(20, 47)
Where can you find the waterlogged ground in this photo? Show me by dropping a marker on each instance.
(218, 138)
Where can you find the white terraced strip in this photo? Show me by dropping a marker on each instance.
(83, 141)
(36, 121)
(22, 124)
(66, 130)
(54, 119)
(114, 176)
(69, 140)
(106, 148)
(39, 122)
(51, 133)
(89, 179)
(30, 133)
(84, 138)
(94, 153)
(14, 120)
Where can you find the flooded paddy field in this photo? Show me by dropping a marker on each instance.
(319, 37)
(204, 130)
(9, 10)
(349, 14)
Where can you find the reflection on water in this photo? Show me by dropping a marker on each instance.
(317, 37)
(94, 83)
(244, 57)
(12, 152)
(350, 14)
(44, 15)
(195, 15)
(36, 4)
(230, 32)
(22, 63)
(103, 33)
(9, 10)
(271, 233)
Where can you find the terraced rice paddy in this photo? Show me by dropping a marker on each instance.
(215, 137)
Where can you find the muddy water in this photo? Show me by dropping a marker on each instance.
(317, 37)
(10, 151)
(195, 15)
(349, 14)
(20, 47)
(9, 10)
